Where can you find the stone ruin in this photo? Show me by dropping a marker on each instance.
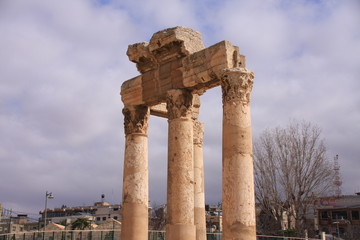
(176, 69)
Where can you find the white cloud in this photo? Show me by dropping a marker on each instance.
(62, 64)
(159, 14)
(61, 70)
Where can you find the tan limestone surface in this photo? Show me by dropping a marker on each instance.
(135, 177)
(175, 58)
(175, 69)
(238, 180)
(165, 46)
(199, 188)
(180, 188)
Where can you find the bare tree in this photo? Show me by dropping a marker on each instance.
(158, 217)
(291, 169)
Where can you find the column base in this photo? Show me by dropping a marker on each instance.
(135, 222)
(200, 223)
(180, 232)
(238, 231)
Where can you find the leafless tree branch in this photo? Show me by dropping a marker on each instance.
(291, 169)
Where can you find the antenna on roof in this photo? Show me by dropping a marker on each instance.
(337, 179)
(102, 197)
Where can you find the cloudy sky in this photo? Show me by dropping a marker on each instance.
(62, 64)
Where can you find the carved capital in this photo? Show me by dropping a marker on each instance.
(136, 119)
(236, 85)
(198, 133)
(179, 103)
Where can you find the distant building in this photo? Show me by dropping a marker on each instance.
(33, 226)
(213, 218)
(338, 215)
(99, 213)
(53, 227)
(13, 224)
(106, 211)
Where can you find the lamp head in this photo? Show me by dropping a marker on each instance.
(49, 195)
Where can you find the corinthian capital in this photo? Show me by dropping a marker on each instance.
(136, 119)
(179, 103)
(236, 85)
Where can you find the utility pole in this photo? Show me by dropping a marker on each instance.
(10, 221)
(48, 195)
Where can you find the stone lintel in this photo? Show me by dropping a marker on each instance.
(159, 110)
(176, 42)
(197, 72)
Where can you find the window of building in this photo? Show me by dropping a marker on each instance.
(116, 209)
(355, 215)
(324, 215)
(98, 219)
(104, 218)
(326, 230)
(339, 215)
(115, 217)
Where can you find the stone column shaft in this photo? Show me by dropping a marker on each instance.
(199, 202)
(180, 188)
(135, 182)
(238, 205)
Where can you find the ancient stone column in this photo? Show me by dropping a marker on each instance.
(199, 200)
(180, 186)
(135, 181)
(237, 174)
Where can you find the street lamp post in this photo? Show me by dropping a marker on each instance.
(337, 226)
(48, 195)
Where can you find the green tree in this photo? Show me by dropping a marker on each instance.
(81, 224)
(63, 222)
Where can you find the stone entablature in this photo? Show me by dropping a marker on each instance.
(175, 70)
(196, 72)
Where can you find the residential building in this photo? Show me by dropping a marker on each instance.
(10, 227)
(98, 213)
(338, 215)
(213, 218)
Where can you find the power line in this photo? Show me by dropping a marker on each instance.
(9, 213)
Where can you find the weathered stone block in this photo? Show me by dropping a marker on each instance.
(165, 46)
(200, 70)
